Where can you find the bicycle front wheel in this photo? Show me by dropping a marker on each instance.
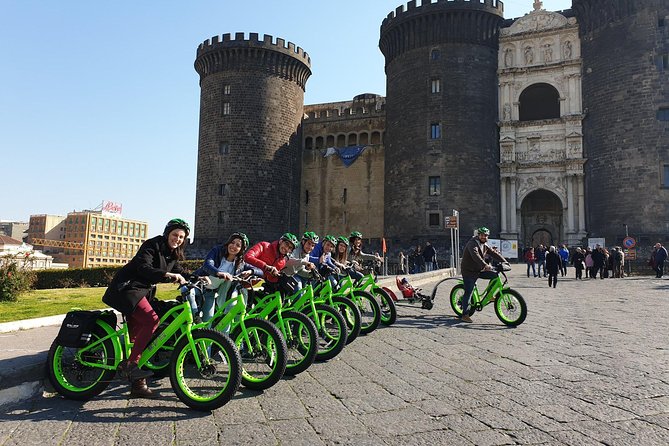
(263, 355)
(213, 384)
(74, 380)
(370, 310)
(351, 315)
(456, 299)
(510, 308)
(301, 340)
(332, 333)
(388, 308)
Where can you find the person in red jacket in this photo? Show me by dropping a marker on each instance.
(530, 259)
(271, 257)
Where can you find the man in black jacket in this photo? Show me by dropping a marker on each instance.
(474, 266)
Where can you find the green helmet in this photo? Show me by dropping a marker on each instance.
(242, 237)
(288, 237)
(356, 234)
(310, 235)
(176, 223)
(330, 238)
(343, 239)
(483, 230)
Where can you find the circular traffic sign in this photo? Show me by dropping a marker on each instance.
(629, 242)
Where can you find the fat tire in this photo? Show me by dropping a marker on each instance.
(502, 301)
(351, 314)
(308, 352)
(280, 354)
(339, 340)
(388, 308)
(376, 311)
(233, 359)
(456, 299)
(102, 379)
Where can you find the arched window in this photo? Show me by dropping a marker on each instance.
(341, 140)
(309, 143)
(539, 101)
(329, 141)
(376, 138)
(352, 139)
(364, 138)
(319, 142)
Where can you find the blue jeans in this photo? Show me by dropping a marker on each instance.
(429, 266)
(469, 283)
(534, 271)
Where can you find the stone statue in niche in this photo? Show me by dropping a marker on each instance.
(529, 55)
(567, 50)
(508, 57)
(507, 112)
(548, 53)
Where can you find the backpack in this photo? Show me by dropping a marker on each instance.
(77, 327)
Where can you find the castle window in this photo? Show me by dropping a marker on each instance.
(435, 130)
(665, 176)
(221, 217)
(309, 143)
(435, 85)
(539, 101)
(364, 138)
(341, 141)
(319, 142)
(665, 61)
(329, 142)
(660, 22)
(306, 196)
(435, 54)
(226, 89)
(376, 138)
(222, 189)
(343, 196)
(434, 219)
(434, 186)
(223, 148)
(352, 139)
(226, 108)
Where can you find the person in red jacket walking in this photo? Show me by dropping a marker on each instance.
(271, 258)
(530, 260)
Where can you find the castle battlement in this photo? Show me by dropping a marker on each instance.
(253, 41)
(344, 110)
(595, 14)
(412, 8)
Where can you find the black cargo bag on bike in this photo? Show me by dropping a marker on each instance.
(77, 327)
(287, 285)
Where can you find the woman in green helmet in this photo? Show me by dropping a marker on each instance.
(357, 256)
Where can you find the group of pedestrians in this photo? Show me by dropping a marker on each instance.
(421, 259)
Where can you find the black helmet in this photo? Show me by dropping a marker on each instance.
(176, 223)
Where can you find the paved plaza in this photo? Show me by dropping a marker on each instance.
(590, 365)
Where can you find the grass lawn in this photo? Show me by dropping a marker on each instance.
(40, 303)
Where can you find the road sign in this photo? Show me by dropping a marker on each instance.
(630, 254)
(451, 222)
(629, 242)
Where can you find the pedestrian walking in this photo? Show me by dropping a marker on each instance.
(553, 266)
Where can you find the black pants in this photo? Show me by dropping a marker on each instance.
(552, 279)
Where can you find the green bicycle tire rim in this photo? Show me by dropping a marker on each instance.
(245, 374)
(180, 374)
(505, 297)
(58, 371)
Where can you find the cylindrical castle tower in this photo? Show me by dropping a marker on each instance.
(626, 134)
(441, 116)
(251, 107)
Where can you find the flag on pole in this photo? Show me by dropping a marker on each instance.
(383, 245)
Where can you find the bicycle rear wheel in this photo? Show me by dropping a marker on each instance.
(456, 299)
(77, 381)
(264, 357)
(216, 380)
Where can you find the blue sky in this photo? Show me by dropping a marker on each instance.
(100, 101)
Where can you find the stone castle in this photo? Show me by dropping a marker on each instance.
(549, 128)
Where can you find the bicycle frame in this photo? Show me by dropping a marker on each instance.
(492, 290)
(182, 323)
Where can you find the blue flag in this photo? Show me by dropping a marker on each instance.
(348, 155)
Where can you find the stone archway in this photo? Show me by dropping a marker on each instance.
(541, 218)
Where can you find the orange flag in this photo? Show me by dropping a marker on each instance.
(383, 245)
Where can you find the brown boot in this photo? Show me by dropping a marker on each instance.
(139, 389)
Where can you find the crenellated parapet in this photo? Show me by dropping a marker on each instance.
(436, 22)
(274, 56)
(595, 14)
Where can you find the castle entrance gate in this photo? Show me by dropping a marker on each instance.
(541, 219)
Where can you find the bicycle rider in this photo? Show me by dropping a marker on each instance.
(357, 256)
(474, 266)
(133, 286)
(298, 264)
(271, 258)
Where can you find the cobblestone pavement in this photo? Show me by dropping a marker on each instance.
(589, 366)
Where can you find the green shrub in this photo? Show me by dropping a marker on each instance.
(14, 281)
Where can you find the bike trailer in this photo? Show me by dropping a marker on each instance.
(76, 329)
